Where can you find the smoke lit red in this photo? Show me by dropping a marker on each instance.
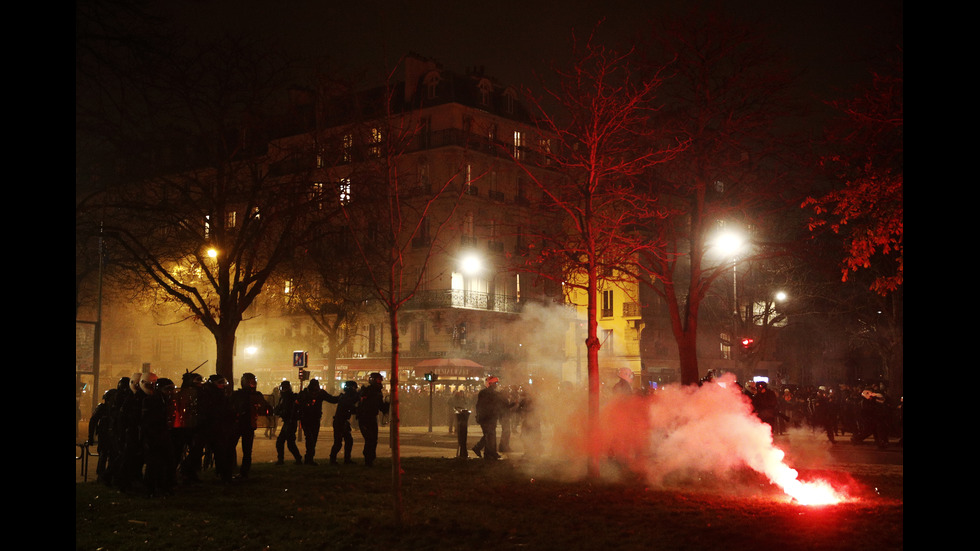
(685, 432)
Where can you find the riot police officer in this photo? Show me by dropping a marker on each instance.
(371, 402)
(311, 410)
(248, 404)
(287, 409)
(346, 407)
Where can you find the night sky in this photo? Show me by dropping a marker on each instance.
(514, 40)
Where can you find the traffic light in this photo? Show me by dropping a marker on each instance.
(747, 342)
(430, 377)
(304, 375)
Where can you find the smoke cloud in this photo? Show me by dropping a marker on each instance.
(678, 435)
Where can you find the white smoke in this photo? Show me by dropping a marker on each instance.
(677, 435)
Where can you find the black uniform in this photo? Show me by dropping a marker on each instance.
(247, 404)
(346, 407)
(130, 444)
(370, 403)
(215, 431)
(156, 424)
(187, 423)
(100, 429)
(311, 410)
(766, 406)
(287, 409)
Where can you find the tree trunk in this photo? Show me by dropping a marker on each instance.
(224, 338)
(593, 344)
(394, 422)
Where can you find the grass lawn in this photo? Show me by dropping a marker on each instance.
(453, 504)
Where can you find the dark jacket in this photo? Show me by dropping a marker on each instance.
(287, 408)
(490, 405)
(370, 403)
(248, 405)
(311, 404)
(346, 405)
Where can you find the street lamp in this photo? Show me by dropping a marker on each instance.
(471, 264)
(730, 244)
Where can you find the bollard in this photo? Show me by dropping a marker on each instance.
(462, 421)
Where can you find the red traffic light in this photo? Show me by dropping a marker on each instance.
(747, 342)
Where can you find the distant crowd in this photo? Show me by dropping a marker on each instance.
(152, 436)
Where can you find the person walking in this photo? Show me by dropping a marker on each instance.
(248, 404)
(311, 401)
(370, 404)
(489, 406)
(346, 407)
(287, 409)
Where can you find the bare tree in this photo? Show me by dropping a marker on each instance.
(602, 141)
(394, 229)
(725, 99)
(203, 220)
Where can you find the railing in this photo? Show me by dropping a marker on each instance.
(82, 457)
(473, 300)
(631, 309)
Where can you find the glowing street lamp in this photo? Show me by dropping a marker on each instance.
(730, 244)
(471, 264)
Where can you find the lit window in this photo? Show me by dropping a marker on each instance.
(316, 194)
(518, 144)
(348, 144)
(230, 219)
(376, 137)
(344, 191)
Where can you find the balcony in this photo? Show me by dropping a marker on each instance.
(467, 300)
(631, 310)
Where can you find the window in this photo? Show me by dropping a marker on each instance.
(348, 146)
(431, 84)
(607, 304)
(316, 194)
(344, 191)
(485, 90)
(375, 148)
(230, 219)
(518, 144)
(510, 98)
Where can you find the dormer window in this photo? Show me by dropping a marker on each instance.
(431, 83)
(510, 98)
(486, 88)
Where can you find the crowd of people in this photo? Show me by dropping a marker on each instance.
(151, 435)
(861, 411)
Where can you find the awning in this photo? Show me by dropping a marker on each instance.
(450, 367)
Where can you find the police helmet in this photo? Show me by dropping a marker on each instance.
(249, 380)
(285, 386)
(350, 385)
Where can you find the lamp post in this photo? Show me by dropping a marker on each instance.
(731, 243)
